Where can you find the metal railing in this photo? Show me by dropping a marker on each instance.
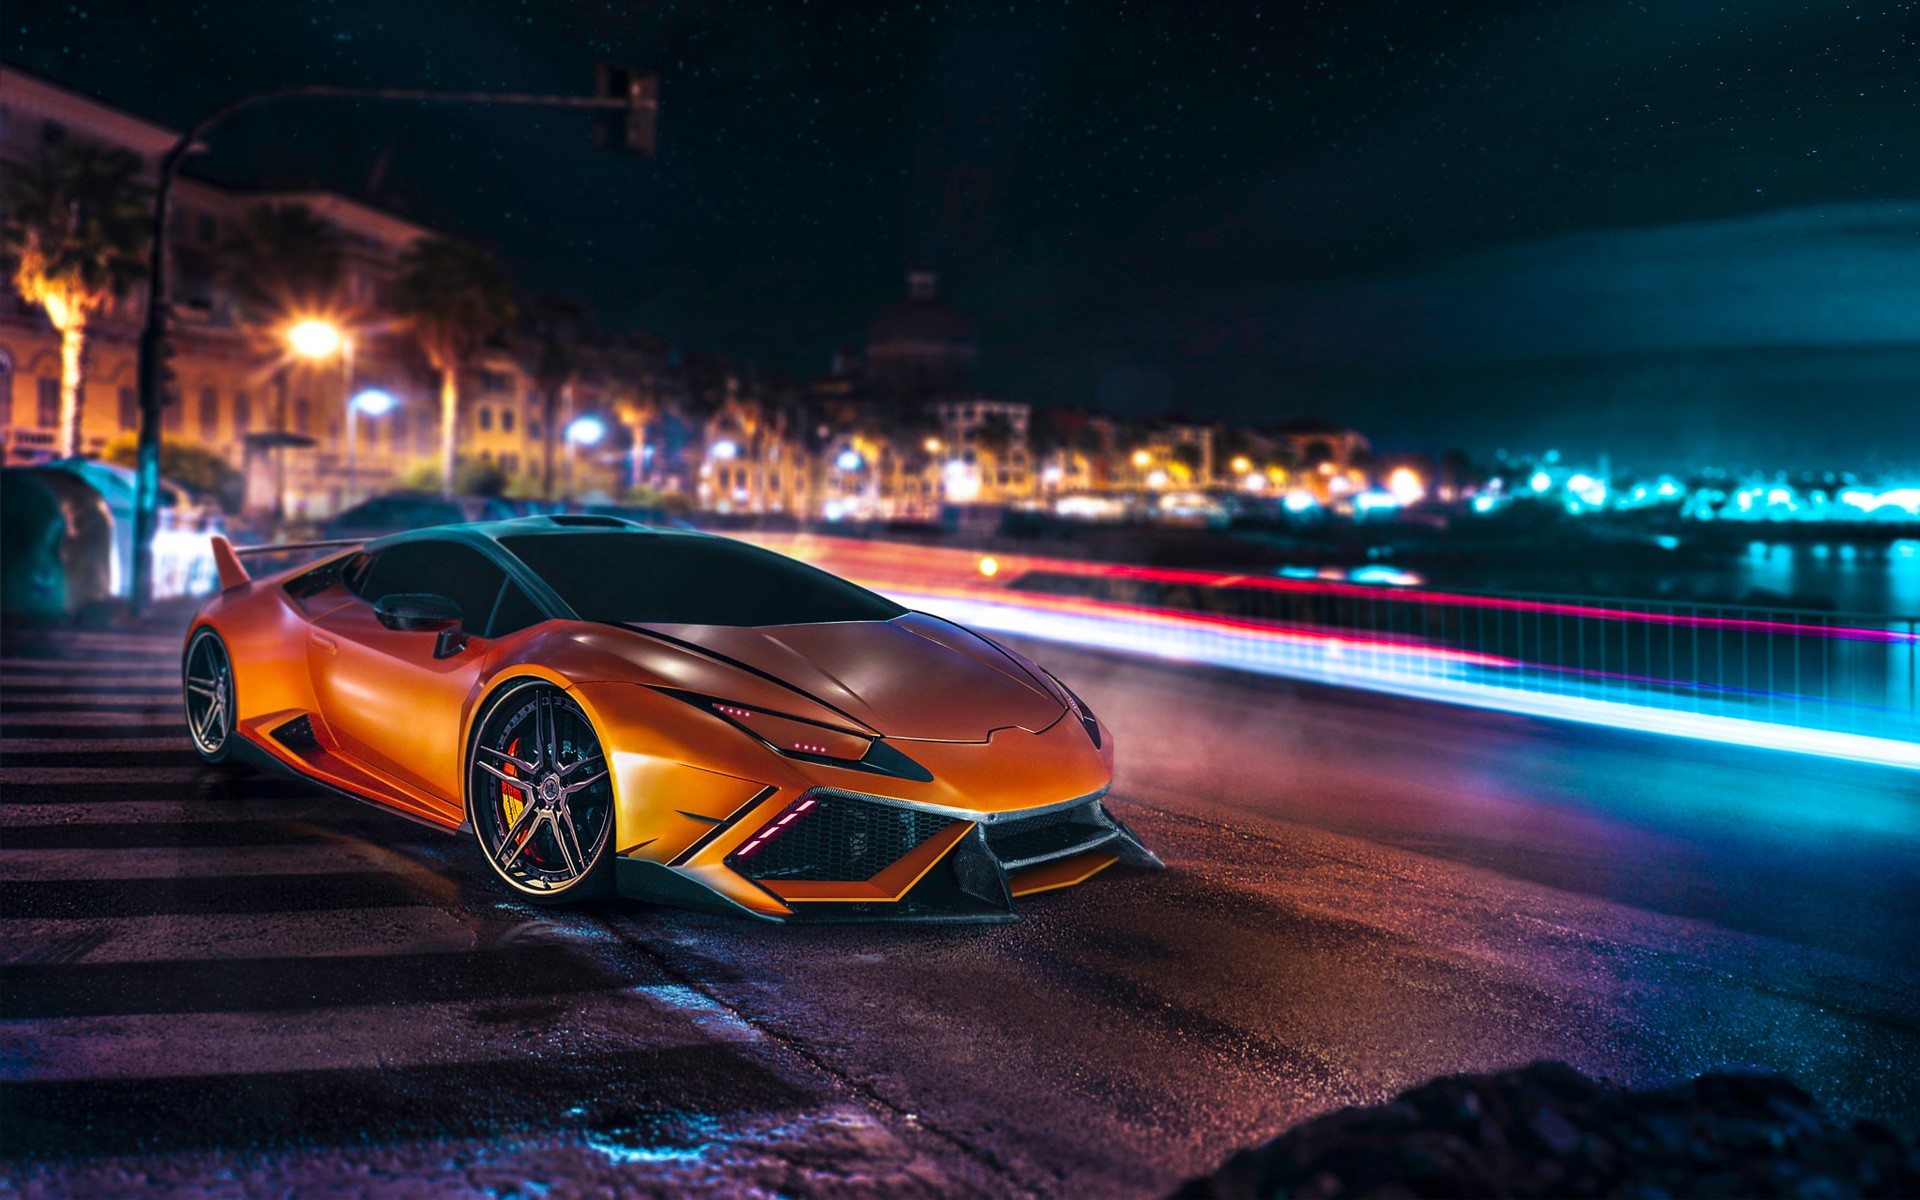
(1822, 682)
(1847, 673)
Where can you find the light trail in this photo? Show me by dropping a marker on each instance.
(950, 582)
(1402, 669)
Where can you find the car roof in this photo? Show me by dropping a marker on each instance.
(486, 534)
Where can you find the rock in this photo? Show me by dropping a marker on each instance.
(1548, 1130)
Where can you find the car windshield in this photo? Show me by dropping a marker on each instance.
(677, 579)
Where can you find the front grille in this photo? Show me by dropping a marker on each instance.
(1049, 835)
(837, 839)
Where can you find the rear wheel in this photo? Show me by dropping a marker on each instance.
(539, 795)
(207, 681)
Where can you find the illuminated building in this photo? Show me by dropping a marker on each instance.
(234, 395)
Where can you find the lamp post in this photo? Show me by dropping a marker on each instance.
(585, 430)
(316, 339)
(375, 403)
(626, 105)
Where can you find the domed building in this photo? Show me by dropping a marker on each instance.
(918, 347)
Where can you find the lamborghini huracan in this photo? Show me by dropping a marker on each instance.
(607, 707)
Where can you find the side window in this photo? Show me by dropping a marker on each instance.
(354, 573)
(513, 613)
(460, 573)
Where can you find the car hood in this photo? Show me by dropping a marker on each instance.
(916, 677)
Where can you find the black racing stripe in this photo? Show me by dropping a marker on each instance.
(100, 898)
(311, 981)
(84, 755)
(624, 1094)
(749, 668)
(166, 835)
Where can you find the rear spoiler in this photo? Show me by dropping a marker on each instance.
(233, 573)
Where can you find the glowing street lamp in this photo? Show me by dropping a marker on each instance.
(587, 430)
(375, 403)
(849, 460)
(314, 338)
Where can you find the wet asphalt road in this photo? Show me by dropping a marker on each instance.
(261, 988)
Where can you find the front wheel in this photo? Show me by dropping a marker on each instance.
(539, 796)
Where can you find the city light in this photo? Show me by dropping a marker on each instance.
(586, 431)
(374, 402)
(849, 460)
(725, 450)
(989, 566)
(1540, 482)
(1241, 464)
(315, 338)
(932, 445)
(1406, 486)
(1142, 459)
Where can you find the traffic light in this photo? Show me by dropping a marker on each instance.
(631, 128)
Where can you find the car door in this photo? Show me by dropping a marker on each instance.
(387, 700)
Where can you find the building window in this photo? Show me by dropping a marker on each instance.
(506, 420)
(510, 463)
(47, 408)
(209, 414)
(486, 418)
(174, 415)
(496, 382)
(302, 415)
(533, 429)
(129, 408)
(208, 230)
(242, 413)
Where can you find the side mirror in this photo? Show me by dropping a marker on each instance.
(422, 612)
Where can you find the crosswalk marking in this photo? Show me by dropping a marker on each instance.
(82, 775)
(95, 745)
(190, 862)
(407, 928)
(173, 940)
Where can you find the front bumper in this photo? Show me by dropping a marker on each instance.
(836, 855)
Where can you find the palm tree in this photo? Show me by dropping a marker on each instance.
(282, 261)
(551, 338)
(75, 225)
(455, 295)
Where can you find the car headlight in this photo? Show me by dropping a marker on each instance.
(1088, 721)
(810, 741)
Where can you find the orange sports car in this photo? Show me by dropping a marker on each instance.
(673, 716)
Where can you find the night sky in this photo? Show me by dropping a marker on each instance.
(1666, 229)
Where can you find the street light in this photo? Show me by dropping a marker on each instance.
(374, 403)
(633, 95)
(585, 430)
(315, 338)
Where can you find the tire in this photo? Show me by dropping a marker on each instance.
(549, 839)
(206, 684)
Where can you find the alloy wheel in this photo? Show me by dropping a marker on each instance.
(540, 796)
(208, 685)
